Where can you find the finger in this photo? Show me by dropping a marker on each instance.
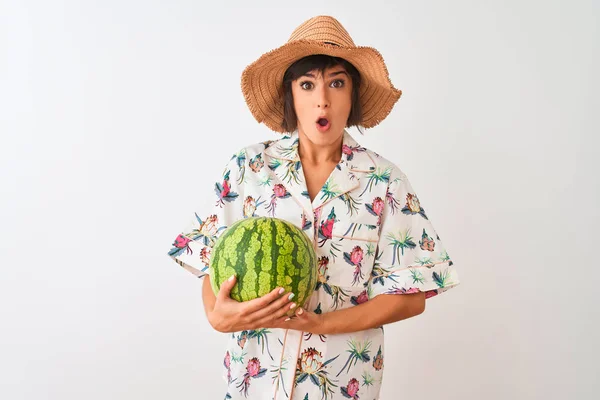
(272, 321)
(263, 301)
(277, 308)
(225, 289)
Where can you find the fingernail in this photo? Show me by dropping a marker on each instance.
(300, 311)
(231, 277)
(293, 305)
(286, 320)
(291, 296)
(281, 290)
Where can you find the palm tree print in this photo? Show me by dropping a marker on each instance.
(329, 190)
(338, 295)
(223, 191)
(289, 151)
(310, 365)
(262, 335)
(238, 358)
(292, 172)
(277, 374)
(367, 379)
(351, 203)
(266, 181)
(400, 242)
(442, 279)
(358, 351)
(380, 175)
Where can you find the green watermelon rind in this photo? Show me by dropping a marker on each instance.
(296, 268)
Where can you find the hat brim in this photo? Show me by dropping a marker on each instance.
(263, 91)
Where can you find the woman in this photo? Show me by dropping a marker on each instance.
(379, 257)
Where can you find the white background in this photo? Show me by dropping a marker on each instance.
(117, 117)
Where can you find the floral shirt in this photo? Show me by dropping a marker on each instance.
(372, 237)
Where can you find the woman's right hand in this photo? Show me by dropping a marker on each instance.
(229, 315)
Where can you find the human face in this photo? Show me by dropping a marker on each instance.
(322, 103)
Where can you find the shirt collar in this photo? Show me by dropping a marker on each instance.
(354, 157)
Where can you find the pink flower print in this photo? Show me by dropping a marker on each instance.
(351, 391)
(227, 364)
(426, 242)
(378, 205)
(326, 228)
(253, 371)
(347, 150)
(355, 258)
(253, 367)
(224, 192)
(227, 360)
(363, 297)
(279, 192)
(226, 189)
(181, 242)
(376, 208)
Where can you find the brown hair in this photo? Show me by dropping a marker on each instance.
(319, 62)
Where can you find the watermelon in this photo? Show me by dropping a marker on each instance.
(264, 253)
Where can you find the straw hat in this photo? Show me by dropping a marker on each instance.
(262, 81)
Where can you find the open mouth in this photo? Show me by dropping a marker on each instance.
(323, 121)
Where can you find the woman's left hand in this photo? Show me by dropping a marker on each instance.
(305, 321)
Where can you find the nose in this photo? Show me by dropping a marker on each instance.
(322, 97)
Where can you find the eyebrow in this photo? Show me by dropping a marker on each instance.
(311, 75)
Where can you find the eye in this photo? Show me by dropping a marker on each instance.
(306, 85)
(338, 83)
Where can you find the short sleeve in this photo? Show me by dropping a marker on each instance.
(410, 255)
(191, 248)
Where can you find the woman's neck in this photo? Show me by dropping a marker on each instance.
(319, 153)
